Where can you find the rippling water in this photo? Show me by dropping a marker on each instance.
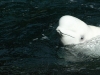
(29, 42)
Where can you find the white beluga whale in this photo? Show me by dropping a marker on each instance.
(78, 37)
(75, 31)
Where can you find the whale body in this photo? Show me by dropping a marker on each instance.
(79, 38)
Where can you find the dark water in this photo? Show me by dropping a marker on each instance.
(29, 41)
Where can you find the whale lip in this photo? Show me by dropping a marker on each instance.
(62, 34)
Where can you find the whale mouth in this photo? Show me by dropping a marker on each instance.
(64, 34)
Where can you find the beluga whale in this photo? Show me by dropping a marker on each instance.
(79, 38)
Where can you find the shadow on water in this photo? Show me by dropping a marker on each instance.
(29, 42)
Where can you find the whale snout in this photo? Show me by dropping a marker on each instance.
(59, 32)
(65, 33)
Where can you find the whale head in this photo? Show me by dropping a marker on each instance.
(72, 30)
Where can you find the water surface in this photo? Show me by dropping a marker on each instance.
(29, 41)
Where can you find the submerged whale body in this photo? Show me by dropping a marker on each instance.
(78, 37)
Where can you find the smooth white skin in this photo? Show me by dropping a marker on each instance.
(75, 31)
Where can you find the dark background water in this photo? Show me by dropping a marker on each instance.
(29, 41)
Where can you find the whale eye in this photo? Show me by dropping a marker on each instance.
(82, 38)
